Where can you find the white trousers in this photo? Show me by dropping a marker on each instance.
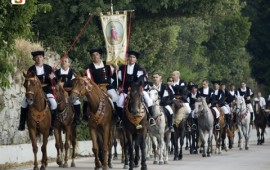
(113, 94)
(217, 112)
(122, 96)
(226, 109)
(50, 97)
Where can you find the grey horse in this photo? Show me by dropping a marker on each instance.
(157, 132)
(243, 121)
(205, 124)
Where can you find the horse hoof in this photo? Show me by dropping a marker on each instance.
(246, 148)
(115, 158)
(240, 148)
(65, 165)
(105, 168)
(155, 162)
(166, 162)
(144, 167)
(204, 155)
(136, 166)
(161, 163)
(42, 168)
(72, 164)
(122, 161)
(60, 163)
(125, 167)
(180, 157)
(208, 155)
(147, 158)
(110, 166)
(96, 168)
(186, 148)
(175, 158)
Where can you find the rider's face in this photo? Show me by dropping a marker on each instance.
(39, 59)
(132, 59)
(95, 57)
(156, 78)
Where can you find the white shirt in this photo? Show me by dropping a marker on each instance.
(261, 101)
(65, 72)
(130, 70)
(40, 70)
(158, 87)
(206, 90)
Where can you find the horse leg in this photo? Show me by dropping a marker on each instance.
(95, 148)
(209, 147)
(67, 146)
(142, 146)
(154, 147)
(182, 136)
(247, 130)
(32, 134)
(58, 143)
(44, 162)
(115, 155)
(240, 143)
(106, 144)
(137, 154)
(73, 143)
(187, 140)
(161, 149)
(258, 135)
(176, 136)
(262, 135)
(130, 147)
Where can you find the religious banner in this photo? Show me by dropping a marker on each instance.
(115, 32)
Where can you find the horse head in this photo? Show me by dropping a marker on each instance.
(61, 95)
(200, 105)
(240, 104)
(80, 86)
(135, 104)
(153, 94)
(32, 86)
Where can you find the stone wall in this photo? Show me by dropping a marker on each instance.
(10, 104)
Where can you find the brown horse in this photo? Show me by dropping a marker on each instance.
(63, 123)
(218, 133)
(134, 116)
(260, 122)
(38, 118)
(100, 115)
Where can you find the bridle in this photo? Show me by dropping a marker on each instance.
(87, 86)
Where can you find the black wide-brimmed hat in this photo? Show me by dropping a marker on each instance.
(93, 50)
(136, 54)
(216, 82)
(36, 53)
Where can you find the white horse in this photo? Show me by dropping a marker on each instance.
(205, 124)
(243, 121)
(157, 131)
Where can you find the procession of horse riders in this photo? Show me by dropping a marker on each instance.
(117, 81)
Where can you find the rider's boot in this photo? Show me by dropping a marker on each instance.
(22, 119)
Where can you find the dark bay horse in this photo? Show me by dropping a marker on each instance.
(100, 115)
(63, 123)
(219, 133)
(260, 122)
(179, 127)
(134, 115)
(38, 118)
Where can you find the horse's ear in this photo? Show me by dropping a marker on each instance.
(82, 73)
(76, 74)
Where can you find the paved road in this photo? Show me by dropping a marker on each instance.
(257, 157)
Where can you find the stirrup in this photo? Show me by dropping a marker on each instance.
(152, 122)
(194, 126)
(217, 127)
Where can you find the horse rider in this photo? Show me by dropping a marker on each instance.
(231, 99)
(220, 100)
(191, 98)
(165, 98)
(180, 91)
(45, 74)
(66, 75)
(127, 74)
(176, 79)
(247, 93)
(208, 93)
(261, 100)
(102, 75)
